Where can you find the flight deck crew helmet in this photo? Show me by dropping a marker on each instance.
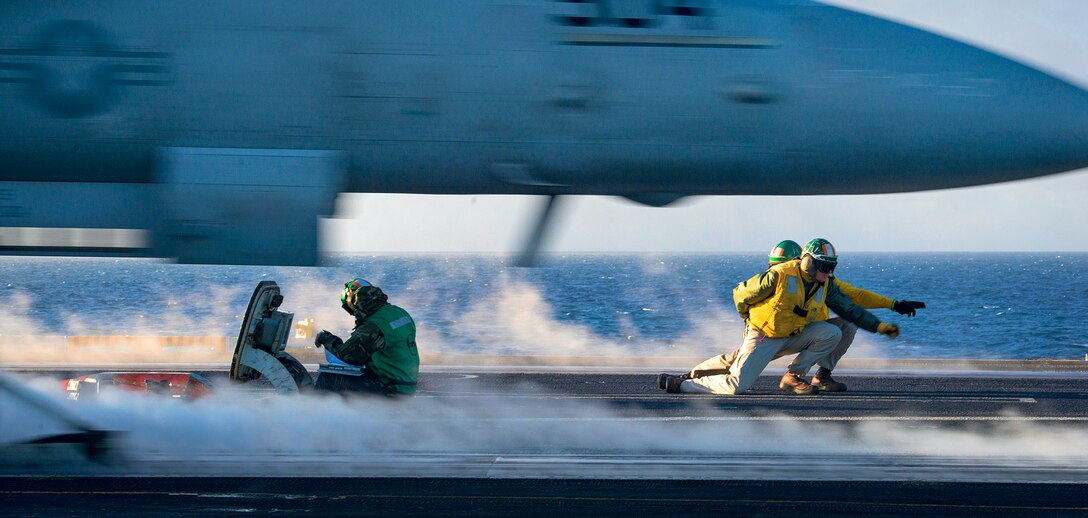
(823, 253)
(349, 297)
(787, 250)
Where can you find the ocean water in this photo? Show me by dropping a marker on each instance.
(1001, 306)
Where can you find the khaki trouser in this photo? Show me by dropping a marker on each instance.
(813, 344)
(849, 331)
(721, 364)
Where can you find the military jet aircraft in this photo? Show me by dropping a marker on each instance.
(218, 132)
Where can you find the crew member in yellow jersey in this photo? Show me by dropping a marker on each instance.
(786, 309)
(789, 250)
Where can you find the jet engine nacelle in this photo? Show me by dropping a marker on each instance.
(207, 205)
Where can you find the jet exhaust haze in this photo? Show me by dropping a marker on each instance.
(235, 434)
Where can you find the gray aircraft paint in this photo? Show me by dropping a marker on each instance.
(647, 100)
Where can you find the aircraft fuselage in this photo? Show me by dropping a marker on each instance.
(731, 97)
(652, 100)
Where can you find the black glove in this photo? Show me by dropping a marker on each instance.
(907, 307)
(322, 338)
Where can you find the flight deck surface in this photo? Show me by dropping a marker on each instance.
(537, 497)
(533, 442)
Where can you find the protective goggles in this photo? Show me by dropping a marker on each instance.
(823, 266)
(349, 296)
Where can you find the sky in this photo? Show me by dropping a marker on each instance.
(1041, 215)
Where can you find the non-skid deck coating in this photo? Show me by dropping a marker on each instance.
(504, 498)
(1035, 413)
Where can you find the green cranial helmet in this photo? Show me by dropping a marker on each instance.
(787, 250)
(823, 253)
(349, 296)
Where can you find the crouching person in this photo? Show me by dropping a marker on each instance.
(787, 251)
(382, 346)
(786, 309)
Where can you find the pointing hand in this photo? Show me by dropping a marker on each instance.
(907, 307)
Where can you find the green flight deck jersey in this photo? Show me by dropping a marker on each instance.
(385, 343)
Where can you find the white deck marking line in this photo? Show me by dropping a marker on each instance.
(792, 418)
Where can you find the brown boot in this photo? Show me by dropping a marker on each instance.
(794, 384)
(826, 383)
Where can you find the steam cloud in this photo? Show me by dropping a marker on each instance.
(512, 317)
(236, 433)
